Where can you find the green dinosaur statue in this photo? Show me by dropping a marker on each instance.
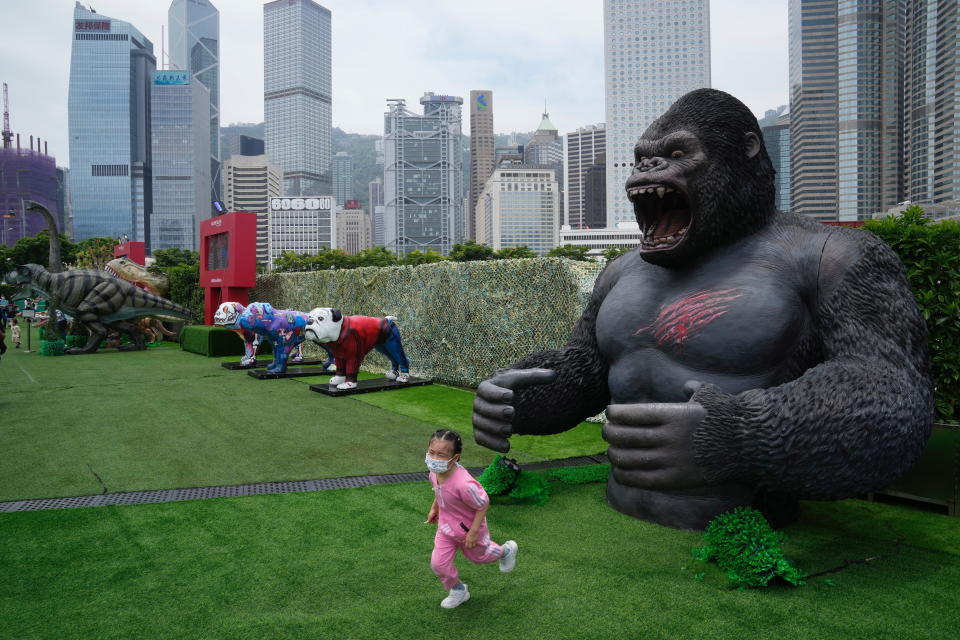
(98, 300)
(130, 271)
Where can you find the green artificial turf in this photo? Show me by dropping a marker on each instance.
(451, 408)
(355, 564)
(164, 418)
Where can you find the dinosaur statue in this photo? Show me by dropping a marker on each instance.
(127, 269)
(98, 300)
(156, 283)
(152, 329)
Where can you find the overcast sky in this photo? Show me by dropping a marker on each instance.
(526, 51)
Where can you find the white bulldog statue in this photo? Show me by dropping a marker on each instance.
(351, 338)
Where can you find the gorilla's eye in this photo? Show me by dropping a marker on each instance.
(677, 154)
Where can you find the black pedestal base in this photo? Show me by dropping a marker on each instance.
(291, 372)
(369, 386)
(233, 366)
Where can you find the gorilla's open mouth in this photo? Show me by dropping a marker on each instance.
(663, 213)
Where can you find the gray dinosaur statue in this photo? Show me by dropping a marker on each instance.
(98, 300)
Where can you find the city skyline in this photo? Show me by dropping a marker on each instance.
(569, 77)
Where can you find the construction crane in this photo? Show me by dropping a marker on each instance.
(7, 133)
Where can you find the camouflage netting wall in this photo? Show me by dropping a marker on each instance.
(459, 320)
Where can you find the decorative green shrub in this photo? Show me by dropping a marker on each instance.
(51, 347)
(582, 475)
(460, 321)
(747, 549)
(930, 253)
(213, 341)
(505, 483)
(75, 341)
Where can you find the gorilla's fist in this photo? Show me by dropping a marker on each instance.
(651, 445)
(493, 408)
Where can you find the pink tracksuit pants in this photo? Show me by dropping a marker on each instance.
(445, 548)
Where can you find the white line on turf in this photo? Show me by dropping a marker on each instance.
(26, 373)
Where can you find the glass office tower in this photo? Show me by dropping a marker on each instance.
(296, 94)
(111, 68)
(180, 107)
(195, 47)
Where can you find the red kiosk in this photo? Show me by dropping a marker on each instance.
(136, 251)
(228, 259)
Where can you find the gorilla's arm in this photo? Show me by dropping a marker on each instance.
(580, 388)
(855, 421)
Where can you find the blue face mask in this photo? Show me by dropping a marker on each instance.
(437, 466)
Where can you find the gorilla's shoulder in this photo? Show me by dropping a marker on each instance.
(800, 230)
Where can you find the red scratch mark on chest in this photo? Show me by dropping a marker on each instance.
(679, 320)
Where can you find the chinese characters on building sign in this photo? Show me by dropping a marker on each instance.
(92, 25)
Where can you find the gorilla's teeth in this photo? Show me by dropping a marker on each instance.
(660, 191)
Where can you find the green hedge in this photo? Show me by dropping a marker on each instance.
(931, 254)
(213, 341)
(460, 321)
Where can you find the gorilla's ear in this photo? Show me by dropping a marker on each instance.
(751, 143)
(337, 315)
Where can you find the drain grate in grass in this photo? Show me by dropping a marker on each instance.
(260, 488)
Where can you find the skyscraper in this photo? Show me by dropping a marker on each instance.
(111, 71)
(595, 194)
(482, 144)
(423, 175)
(520, 206)
(297, 94)
(354, 232)
(195, 46)
(250, 183)
(846, 106)
(932, 107)
(375, 193)
(545, 148)
(583, 147)
(654, 52)
(230, 137)
(776, 137)
(375, 206)
(180, 108)
(26, 174)
(342, 177)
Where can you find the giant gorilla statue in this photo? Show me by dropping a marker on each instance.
(748, 356)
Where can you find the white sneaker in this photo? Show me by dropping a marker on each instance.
(335, 380)
(455, 598)
(403, 377)
(347, 385)
(509, 559)
(390, 375)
